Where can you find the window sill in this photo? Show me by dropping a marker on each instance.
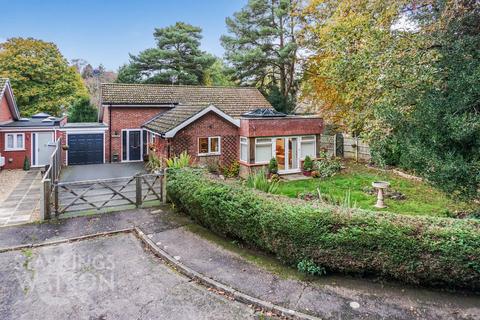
(209, 154)
(6, 150)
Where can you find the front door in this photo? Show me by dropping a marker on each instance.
(286, 153)
(132, 145)
(42, 148)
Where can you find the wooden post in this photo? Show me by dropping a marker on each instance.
(138, 183)
(356, 149)
(335, 145)
(45, 210)
(163, 185)
(55, 194)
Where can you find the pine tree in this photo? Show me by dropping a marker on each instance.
(177, 57)
(262, 47)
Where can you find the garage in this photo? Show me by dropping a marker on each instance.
(85, 145)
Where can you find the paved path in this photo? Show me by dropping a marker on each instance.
(22, 204)
(331, 297)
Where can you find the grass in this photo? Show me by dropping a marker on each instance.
(422, 199)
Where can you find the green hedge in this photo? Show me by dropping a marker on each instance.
(429, 251)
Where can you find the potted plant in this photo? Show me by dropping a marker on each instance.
(307, 166)
(272, 167)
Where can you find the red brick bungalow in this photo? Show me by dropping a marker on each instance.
(210, 123)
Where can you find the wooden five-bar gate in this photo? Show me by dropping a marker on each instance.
(106, 194)
(98, 195)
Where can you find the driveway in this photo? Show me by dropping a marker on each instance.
(101, 171)
(22, 203)
(109, 277)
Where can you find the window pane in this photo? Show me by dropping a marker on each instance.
(264, 141)
(203, 145)
(214, 142)
(307, 149)
(20, 141)
(10, 141)
(263, 153)
(243, 140)
(309, 138)
(244, 152)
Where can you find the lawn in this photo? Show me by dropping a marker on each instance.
(421, 199)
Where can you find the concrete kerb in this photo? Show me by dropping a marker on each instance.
(180, 267)
(208, 282)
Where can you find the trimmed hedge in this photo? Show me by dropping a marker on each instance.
(421, 250)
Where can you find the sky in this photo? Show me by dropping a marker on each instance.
(106, 31)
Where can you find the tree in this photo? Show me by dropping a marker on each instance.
(40, 76)
(439, 136)
(262, 47)
(82, 111)
(217, 75)
(177, 58)
(353, 49)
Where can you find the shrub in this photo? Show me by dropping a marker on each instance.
(327, 168)
(420, 250)
(232, 170)
(179, 162)
(309, 267)
(273, 166)
(259, 181)
(307, 164)
(26, 164)
(154, 162)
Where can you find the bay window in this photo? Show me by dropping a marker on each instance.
(209, 146)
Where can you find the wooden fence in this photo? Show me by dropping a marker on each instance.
(49, 179)
(106, 194)
(345, 146)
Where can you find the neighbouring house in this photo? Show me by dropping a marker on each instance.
(223, 124)
(34, 137)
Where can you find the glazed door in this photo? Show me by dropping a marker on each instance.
(286, 153)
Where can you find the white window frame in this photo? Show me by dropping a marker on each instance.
(308, 139)
(15, 146)
(244, 141)
(210, 153)
(272, 145)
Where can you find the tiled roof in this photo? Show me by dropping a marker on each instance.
(232, 100)
(169, 120)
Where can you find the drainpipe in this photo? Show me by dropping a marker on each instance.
(110, 132)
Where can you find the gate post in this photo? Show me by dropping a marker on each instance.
(45, 203)
(138, 189)
(55, 194)
(164, 186)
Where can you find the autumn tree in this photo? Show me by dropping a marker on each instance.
(261, 47)
(40, 76)
(176, 58)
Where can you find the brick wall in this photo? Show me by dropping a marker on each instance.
(5, 113)
(280, 127)
(125, 118)
(209, 125)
